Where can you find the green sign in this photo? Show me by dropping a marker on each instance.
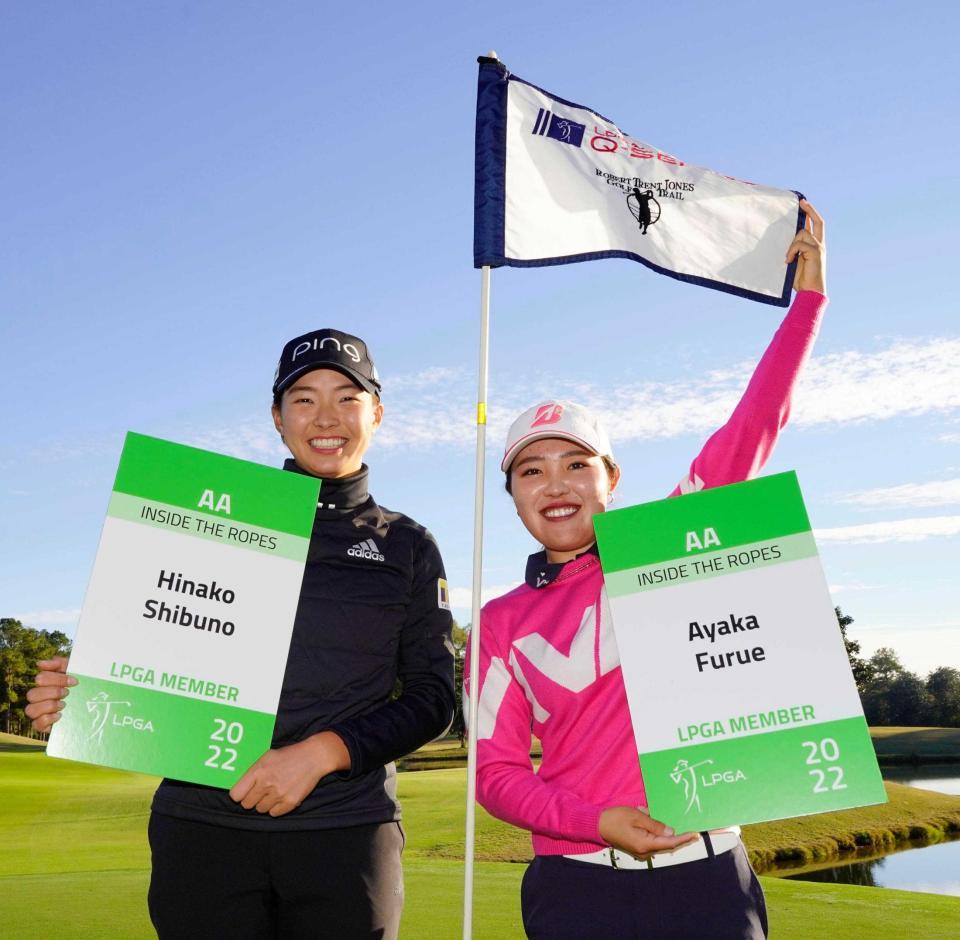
(741, 697)
(183, 638)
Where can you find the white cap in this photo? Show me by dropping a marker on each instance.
(562, 419)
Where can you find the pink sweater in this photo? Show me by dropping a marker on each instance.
(548, 657)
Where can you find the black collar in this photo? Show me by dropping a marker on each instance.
(541, 572)
(338, 494)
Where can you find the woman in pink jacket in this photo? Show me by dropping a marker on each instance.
(549, 663)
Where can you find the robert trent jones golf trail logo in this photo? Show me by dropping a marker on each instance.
(104, 712)
(685, 774)
(643, 207)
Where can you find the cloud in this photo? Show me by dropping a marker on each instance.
(433, 376)
(907, 495)
(908, 378)
(436, 406)
(431, 417)
(251, 438)
(897, 530)
(51, 617)
(854, 586)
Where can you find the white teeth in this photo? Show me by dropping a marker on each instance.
(326, 443)
(560, 512)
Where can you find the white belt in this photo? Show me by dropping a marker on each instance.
(692, 852)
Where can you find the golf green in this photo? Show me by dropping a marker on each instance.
(74, 861)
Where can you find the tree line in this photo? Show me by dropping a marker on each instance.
(893, 695)
(20, 649)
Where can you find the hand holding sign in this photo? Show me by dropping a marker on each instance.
(279, 781)
(47, 695)
(632, 830)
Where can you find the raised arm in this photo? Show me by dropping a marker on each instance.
(739, 449)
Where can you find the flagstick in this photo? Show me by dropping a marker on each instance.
(475, 610)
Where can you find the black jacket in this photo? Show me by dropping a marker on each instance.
(371, 611)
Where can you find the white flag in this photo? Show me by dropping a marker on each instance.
(556, 183)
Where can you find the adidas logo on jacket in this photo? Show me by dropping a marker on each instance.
(366, 549)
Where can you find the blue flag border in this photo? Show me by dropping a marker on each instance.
(489, 194)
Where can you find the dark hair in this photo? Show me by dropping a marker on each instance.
(607, 462)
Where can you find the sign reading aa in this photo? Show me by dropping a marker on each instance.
(183, 638)
(743, 704)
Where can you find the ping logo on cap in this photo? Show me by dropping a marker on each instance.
(547, 414)
(319, 343)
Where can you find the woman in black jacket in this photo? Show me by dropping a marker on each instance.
(307, 843)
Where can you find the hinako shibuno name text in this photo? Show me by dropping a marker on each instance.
(180, 614)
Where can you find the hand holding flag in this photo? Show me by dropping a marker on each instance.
(807, 249)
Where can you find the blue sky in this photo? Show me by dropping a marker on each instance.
(186, 186)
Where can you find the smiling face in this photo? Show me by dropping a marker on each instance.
(557, 487)
(327, 422)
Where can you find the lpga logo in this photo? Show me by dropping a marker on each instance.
(101, 707)
(559, 128)
(685, 774)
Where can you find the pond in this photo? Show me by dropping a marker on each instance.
(934, 869)
(944, 778)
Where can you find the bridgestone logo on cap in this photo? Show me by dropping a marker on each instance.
(366, 549)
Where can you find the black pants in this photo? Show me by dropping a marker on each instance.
(212, 881)
(713, 898)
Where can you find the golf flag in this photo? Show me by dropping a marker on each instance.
(556, 182)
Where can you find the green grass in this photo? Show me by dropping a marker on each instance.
(434, 814)
(801, 911)
(916, 745)
(74, 861)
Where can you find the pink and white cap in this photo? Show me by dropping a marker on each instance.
(563, 419)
